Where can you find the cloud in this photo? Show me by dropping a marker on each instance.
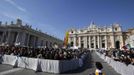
(16, 5)
(8, 15)
(14, 16)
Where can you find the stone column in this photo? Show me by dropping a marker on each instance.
(8, 38)
(79, 41)
(2, 38)
(112, 41)
(98, 41)
(85, 42)
(28, 37)
(42, 44)
(122, 42)
(89, 39)
(18, 38)
(106, 42)
(94, 42)
(12, 37)
(74, 41)
(34, 39)
(5, 37)
(23, 39)
(39, 41)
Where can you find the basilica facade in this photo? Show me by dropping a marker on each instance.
(130, 37)
(23, 35)
(94, 37)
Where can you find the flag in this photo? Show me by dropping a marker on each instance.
(66, 39)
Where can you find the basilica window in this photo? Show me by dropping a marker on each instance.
(81, 30)
(82, 44)
(71, 31)
(88, 31)
(72, 43)
(115, 29)
(82, 41)
(103, 40)
(103, 45)
(92, 45)
(102, 29)
(87, 46)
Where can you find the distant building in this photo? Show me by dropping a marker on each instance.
(130, 38)
(20, 35)
(94, 37)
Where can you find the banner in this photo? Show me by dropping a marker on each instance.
(66, 39)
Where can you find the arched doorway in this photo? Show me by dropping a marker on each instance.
(72, 43)
(82, 45)
(103, 45)
(117, 44)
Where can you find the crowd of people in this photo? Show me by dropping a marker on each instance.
(44, 53)
(125, 56)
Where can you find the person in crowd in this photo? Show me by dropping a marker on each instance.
(39, 55)
(114, 54)
(46, 53)
(124, 56)
(56, 56)
(99, 68)
(132, 56)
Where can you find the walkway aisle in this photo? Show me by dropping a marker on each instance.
(107, 68)
(89, 68)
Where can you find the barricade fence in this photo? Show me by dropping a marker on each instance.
(119, 67)
(44, 65)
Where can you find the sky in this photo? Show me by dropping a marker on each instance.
(55, 17)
